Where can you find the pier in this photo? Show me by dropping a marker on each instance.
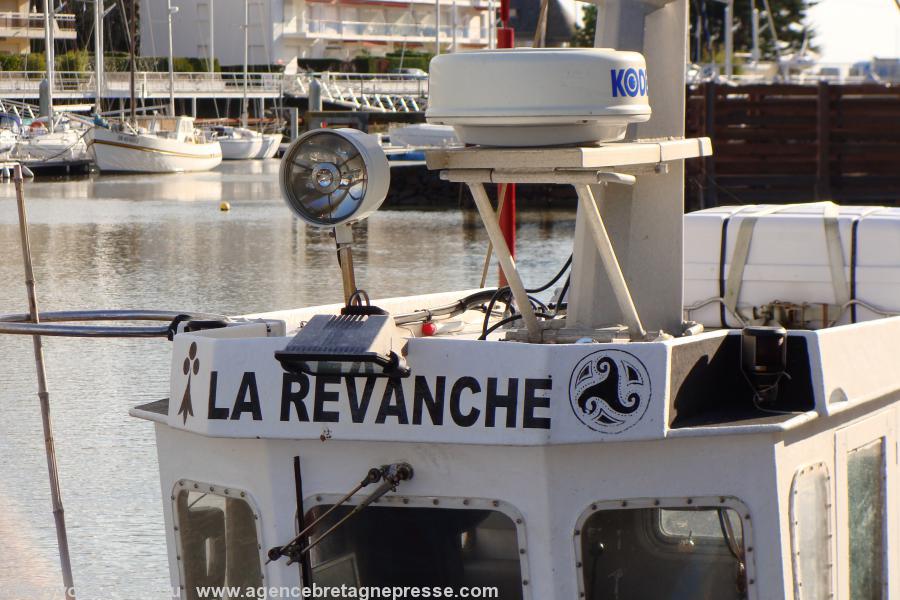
(359, 91)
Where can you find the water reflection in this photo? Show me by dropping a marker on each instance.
(161, 242)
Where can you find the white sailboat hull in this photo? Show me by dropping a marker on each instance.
(143, 153)
(270, 144)
(241, 148)
(7, 141)
(244, 144)
(57, 146)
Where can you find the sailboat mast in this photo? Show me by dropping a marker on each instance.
(171, 11)
(49, 58)
(244, 115)
(98, 51)
(133, 37)
(212, 38)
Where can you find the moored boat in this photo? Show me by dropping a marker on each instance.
(241, 143)
(164, 145)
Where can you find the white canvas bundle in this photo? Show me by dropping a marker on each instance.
(842, 261)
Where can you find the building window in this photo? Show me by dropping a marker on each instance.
(811, 533)
(423, 546)
(218, 543)
(696, 551)
(866, 507)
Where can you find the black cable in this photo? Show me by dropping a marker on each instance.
(556, 278)
(535, 303)
(490, 308)
(508, 320)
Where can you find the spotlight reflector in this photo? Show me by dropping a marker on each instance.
(331, 177)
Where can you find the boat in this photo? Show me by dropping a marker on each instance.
(608, 441)
(155, 145)
(241, 143)
(40, 145)
(10, 127)
(270, 145)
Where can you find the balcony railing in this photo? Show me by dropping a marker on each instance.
(32, 24)
(400, 30)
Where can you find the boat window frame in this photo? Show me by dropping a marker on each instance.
(678, 503)
(794, 522)
(878, 428)
(190, 485)
(311, 501)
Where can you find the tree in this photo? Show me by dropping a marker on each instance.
(789, 17)
(584, 35)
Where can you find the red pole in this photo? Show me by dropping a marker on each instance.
(506, 38)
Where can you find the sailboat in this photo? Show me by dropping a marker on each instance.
(154, 144)
(242, 143)
(51, 139)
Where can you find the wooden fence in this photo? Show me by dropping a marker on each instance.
(793, 143)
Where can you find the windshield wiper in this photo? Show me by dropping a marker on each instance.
(390, 477)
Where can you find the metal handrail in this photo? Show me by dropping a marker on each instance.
(22, 323)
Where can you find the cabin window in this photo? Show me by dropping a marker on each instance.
(811, 533)
(218, 543)
(418, 546)
(866, 504)
(663, 553)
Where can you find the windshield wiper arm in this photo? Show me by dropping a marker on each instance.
(390, 477)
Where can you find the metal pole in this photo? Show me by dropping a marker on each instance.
(492, 20)
(607, 255)
(212, 39)
(171, 11)
(49, 58)
(133, 51)
(98, 51)
(244, 108)
(44, 396)
(755, 55)
(437, 27)
(453, 25)
(506, 260)
(540, 30)
(773, 31)
(729, 39)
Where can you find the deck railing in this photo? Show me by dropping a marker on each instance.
(65, 23)
(400, 30)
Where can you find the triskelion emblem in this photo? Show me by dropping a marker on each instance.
(609, 390)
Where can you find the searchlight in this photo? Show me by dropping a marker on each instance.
(332, 178)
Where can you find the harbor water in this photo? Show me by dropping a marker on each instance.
(160, 242)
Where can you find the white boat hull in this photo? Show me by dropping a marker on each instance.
(57, 146)
(142, 153)
(240, 148)
(270, 144)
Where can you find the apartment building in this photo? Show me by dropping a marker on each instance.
(18, 26)
(281, 30)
